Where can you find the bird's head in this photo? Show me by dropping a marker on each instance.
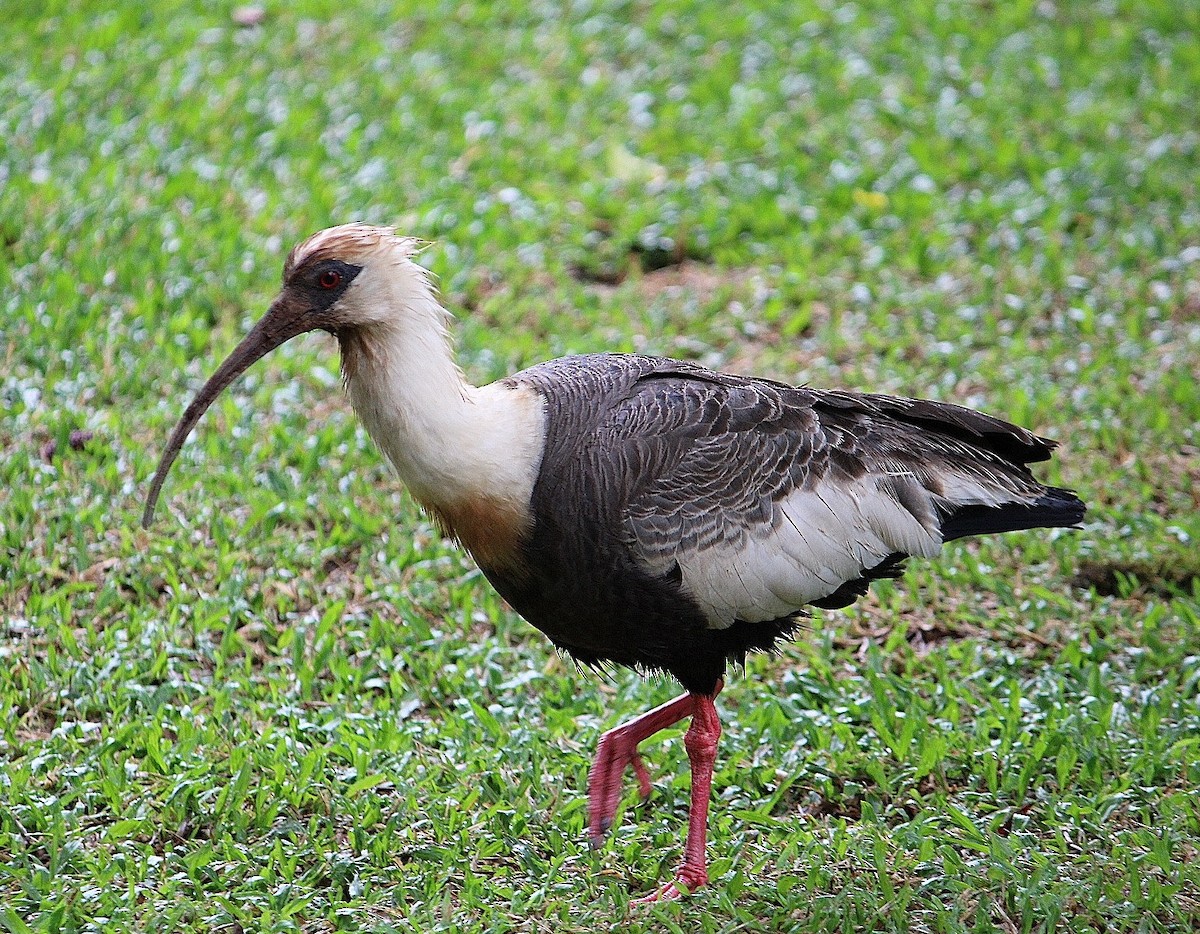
(346, 278)
(341, 280)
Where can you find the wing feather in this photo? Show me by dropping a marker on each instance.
(755, 498)
(767, 498)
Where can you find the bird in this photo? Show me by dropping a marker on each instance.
(643, 511)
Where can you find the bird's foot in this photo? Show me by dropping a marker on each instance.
(618, 749)
(686, 881)
(615, 753)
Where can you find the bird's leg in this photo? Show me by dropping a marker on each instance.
(617, 749)
(701, 743)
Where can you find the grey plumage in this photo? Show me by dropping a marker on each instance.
(651, 464)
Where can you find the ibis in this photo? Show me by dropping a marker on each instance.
(643, 511)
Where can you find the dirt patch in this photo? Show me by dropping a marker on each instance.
(1168, 576)
(611, 259)
(689, 276)
(679, 276)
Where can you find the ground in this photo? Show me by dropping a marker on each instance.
(291, 706)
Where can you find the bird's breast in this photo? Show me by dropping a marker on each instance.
(494, 529)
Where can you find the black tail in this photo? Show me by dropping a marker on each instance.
(1055, 508)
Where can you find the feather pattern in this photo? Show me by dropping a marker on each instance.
(675, 504)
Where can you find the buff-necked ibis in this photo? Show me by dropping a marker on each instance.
(639, 510)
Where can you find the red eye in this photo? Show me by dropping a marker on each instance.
(329, 279)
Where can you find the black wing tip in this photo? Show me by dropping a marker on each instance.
(890, 567)
(1056, 508)
(1062, 506)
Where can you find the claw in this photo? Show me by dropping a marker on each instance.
(642, 774)
(689, 878)
(668, 892)
(665, 893)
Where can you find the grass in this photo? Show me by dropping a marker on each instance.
(292, 706)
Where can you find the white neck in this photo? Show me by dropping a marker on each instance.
(453, 444)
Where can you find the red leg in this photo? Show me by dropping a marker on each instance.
(617, 749)
(701, 743)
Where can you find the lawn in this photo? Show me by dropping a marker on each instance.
(292, 706)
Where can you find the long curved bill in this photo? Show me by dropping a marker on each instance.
(281, 323)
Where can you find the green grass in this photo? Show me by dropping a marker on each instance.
(291, 706)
